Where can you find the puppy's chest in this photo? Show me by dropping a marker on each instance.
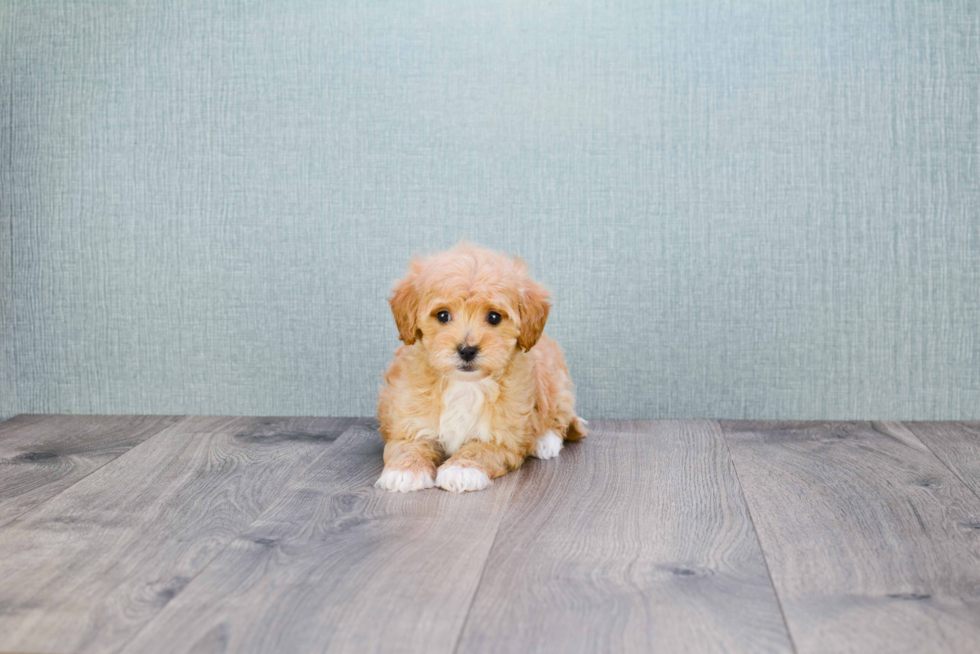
(465, 414)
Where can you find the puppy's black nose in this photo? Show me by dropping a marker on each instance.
(467, 353)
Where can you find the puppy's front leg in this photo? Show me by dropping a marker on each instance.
(475, 464)
(409, 466)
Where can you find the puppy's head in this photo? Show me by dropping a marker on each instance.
(470, 309)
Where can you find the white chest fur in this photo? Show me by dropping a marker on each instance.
(464, 414)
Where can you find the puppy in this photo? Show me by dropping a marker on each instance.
(476, 388)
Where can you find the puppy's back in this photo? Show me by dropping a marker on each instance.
(556, 393)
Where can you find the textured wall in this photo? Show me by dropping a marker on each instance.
(744, 209)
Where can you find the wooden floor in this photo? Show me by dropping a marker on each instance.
(210, 534)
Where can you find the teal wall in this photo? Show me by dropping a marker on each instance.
(744, 209)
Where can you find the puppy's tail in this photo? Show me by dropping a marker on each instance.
(576, 429)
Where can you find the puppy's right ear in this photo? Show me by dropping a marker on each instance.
(405, 305)
(533, 307)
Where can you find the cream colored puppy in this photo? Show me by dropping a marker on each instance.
(476, 388)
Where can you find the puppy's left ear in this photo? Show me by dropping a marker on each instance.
(533, 306)
(405, 305)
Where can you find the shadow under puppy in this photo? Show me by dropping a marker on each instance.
(476, 388)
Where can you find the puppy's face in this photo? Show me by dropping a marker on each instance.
(471, 310)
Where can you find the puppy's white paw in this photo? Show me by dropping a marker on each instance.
(404, 481)
(459, 479)
(548, 447)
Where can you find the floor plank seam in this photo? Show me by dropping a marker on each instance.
(486, 560)
(354, 422)
(758, 540)
(925, 443)
(85, 476)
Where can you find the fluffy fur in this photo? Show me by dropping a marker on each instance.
(457, 424)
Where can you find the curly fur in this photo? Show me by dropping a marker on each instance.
(440, 414)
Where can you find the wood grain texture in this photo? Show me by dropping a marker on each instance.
(41, 456)
(635, 540)
(336, 565)
(87, 569)
(873, 544)
(957, 444)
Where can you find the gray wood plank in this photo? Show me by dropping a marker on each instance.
(40, 456)
(957, 444)
(336, 565)
(85, 570)
(872, 542)
(637, 539)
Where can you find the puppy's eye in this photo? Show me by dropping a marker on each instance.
(443, 317)
(493, 318)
